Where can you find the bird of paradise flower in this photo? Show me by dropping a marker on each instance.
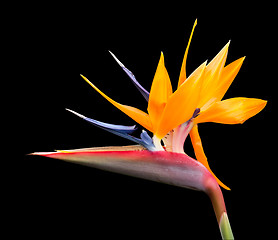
(171, 117)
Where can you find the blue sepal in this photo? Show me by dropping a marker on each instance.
(121, 130)
(142, 90)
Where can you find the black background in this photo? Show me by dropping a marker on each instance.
(50, 45)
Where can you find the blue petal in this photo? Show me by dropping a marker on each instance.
(120, 130)
(107, 126)
(142, 90)
(146, 138)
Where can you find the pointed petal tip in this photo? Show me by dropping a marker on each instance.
(161, 59)
(77, 114)
(262, 103)
(90, 83)
(111, 53)
(116, 59)
(40, 153)
(86, 79)
(225, 48)
(227, 44)
(241, 60)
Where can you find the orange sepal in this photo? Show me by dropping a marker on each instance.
(228, 75)
(160, 91)
(182, 103)
(232, 111)
(212, 79)
(182, 77)
(199, 152)
(137, 115)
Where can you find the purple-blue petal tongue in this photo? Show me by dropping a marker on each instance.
(146, 138)
(120, 130)
(106, 126)
(142, 90)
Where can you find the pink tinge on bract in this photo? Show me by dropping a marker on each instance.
(161, 166)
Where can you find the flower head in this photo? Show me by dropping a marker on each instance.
(171, 113)
(171, 116)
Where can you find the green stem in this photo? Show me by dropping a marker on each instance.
(225, 227)
(214, 192)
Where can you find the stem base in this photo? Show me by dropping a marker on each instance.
(225, 227)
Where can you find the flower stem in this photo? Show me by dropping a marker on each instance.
(215, 194)
(225, 227)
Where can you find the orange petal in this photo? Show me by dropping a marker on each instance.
(160, 91)
(137, 115)
(182, 103)
(199, 152)
(183, 66)
(227, 77)
(232, 111)
(212, 75)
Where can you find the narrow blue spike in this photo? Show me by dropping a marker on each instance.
(106, 126)
(120, 130)
(142, 90)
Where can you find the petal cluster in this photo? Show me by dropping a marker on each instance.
(172, 115)
(197, 99)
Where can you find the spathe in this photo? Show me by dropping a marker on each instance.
(160, 166)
